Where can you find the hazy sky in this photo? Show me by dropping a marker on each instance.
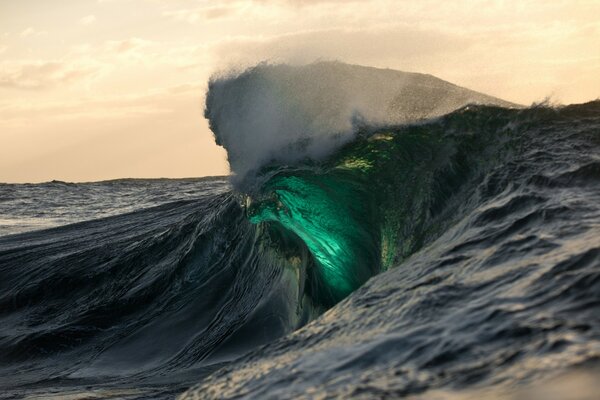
(100, 89)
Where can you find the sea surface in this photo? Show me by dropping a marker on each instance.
(457, 257)
(28, 207)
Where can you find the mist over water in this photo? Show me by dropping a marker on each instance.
(285, 114)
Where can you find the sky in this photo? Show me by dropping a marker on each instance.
(103, 89)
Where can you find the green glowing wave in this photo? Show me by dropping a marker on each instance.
(382, 197)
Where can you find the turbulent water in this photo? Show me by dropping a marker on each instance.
(457, 257)
(290, 114)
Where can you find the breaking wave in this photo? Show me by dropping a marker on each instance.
(372, 259)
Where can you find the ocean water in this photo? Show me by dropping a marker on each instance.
(28, 207)
(457, 257)
(480, 231)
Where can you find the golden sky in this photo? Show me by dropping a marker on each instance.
(101, 89)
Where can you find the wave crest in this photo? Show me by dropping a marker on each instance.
(282, 113)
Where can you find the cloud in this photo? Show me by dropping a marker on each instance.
(296, 3)
(154, 102)
(370, 46)
(126, 46)
(30, 31)
(88, 20)
(233, 8)
(82, 63)
(42, 74)
(152, 54)
(195, 15)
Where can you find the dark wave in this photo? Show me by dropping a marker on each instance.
(481, 226)
(156, 290)
(487, 222)
(388, 193)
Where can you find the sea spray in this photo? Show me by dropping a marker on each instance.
(287, 114)
(283, 115)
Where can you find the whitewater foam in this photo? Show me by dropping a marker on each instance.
(282, 113)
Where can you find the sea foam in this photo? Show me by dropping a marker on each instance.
(284, 114)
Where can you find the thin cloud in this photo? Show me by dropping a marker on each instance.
(374, 45)
(195, 15)
(87, 20)
(42, 74)
(126, 46)
(30, 31)
(154, 102)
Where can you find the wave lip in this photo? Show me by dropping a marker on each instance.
(283, 113)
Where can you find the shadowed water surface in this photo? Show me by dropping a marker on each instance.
(450, 258)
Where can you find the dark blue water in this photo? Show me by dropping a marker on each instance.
(28, 207)
(486, 279)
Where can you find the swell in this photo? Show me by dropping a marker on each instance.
(191, 284)
(168, 288)
(489, 218)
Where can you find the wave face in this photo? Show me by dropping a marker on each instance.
(483, 226)
(169, 290)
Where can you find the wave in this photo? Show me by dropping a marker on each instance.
(387, 194)
(287, 114)
(481, 227)
(404, 258)
(169, 291)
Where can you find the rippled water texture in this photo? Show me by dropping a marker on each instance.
(455, 258)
